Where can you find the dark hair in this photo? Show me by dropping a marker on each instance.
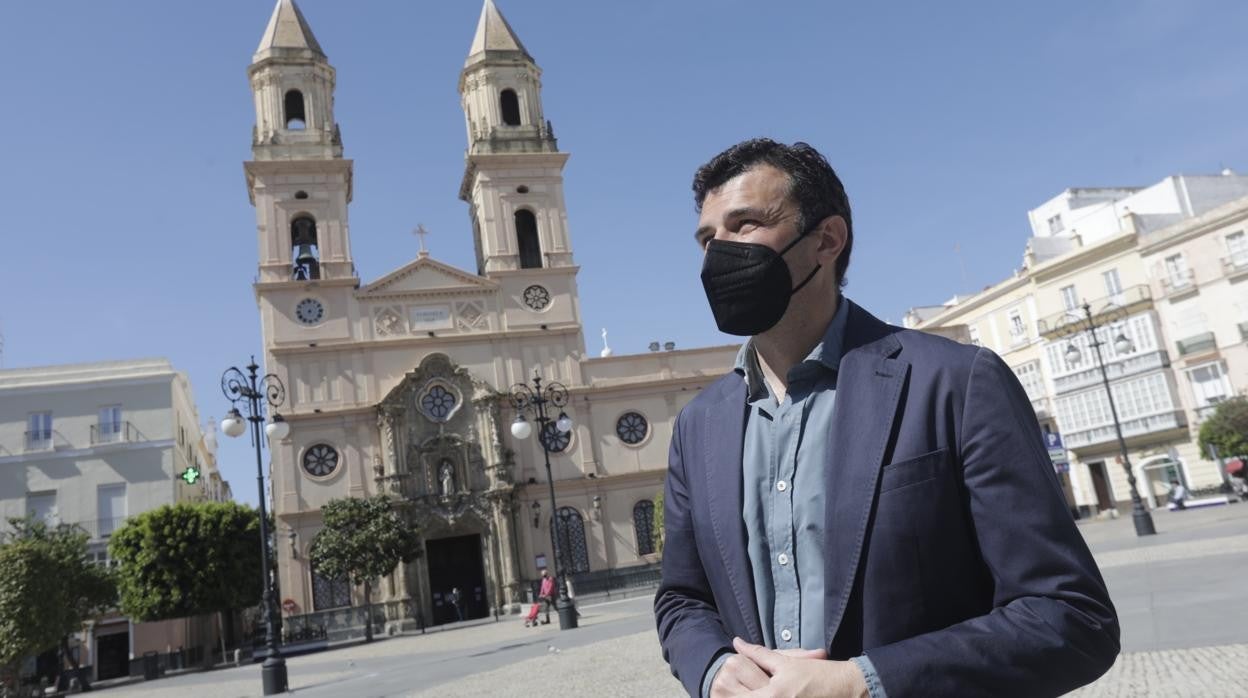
(813, 183)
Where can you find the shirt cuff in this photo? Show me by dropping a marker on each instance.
(712, 670)
(874, 688)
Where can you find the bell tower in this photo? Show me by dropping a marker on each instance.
(297, 178)
(513, 176)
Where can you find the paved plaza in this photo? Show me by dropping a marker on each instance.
(1179, 596)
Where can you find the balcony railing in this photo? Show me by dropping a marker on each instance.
(101, 529)
(39, 440)
(1091, 375)
(1235, 263)
(1130, 427)
(1178, 283)
(1132, 298)
(112, 433)
(1197, 344)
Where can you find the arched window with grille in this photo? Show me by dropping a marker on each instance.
(527, 241)
(329, 593)
(571, 530)
(509, 104)
(643, 526)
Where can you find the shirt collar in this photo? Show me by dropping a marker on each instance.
(826, 354)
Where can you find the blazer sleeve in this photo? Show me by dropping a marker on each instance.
(1052, 626)
(690, 630)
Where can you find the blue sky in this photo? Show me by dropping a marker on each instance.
(125, 228)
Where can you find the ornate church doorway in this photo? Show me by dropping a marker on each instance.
(455, 563)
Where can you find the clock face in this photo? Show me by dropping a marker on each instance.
(309, 311)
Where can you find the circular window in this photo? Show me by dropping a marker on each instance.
(536, 297)
(438, 403)
(554, 440)
(309, 311)
(320, 460)
(632, 428)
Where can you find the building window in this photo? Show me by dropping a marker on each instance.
(1070, 300)
(510, 106)
(571, 529)
(41, 506)
(643, 526)
(632, 428)
(438, 402)
(320, 460)
(1018, 329)
(527, 240)
(1237, 248)
(1113, 285)
(973, 331)
(39, 431)
(110, 509)
(1210, 385)
(554, 440)
(108, 427)
(305, 250)
(329, 593)
(295, 118)
(1033, 382)
(1055, 224)
(1176, 271)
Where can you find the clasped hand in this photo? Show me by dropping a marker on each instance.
(759, 672)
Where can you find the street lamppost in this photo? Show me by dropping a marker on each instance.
(252, 394)
(1088, 323)
(534, 401)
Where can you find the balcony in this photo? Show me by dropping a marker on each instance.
(1091, 375)
(1203, 413)
(1235, 265)
(1138, 426)
(112, 433)
(39, 440)
(1202, 343)
(1179, 284)
(101, 529)
(1133, 299)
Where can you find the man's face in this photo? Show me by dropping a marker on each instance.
(752, 207)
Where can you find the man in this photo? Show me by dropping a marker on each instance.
(1178, 495)
(857, 509)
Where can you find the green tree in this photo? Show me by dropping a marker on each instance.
(1226, 429)
(47, 588)
(188, 559)
(658, 522)
(362, 540)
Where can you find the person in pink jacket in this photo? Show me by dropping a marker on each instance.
(546, 593)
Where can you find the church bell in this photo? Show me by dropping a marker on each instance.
(305, 258)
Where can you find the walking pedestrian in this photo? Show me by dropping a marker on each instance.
(455, 601)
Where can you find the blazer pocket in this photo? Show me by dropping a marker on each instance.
(912, 471)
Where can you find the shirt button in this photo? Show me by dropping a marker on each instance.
(784, 560)
(786, 635)
(782, 485)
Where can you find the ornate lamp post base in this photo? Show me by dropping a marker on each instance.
(1143, 522)
(567, 613)
(273, 675)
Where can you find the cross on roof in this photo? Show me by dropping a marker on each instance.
(421, 233)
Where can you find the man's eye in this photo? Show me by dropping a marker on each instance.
(748, 223)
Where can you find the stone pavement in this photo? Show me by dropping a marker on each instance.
(1179, 595)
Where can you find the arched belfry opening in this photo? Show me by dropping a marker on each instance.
(527, 241)
(296, 118)
(304, 249)
(509, 103)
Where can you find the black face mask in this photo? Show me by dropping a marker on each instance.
(748, 285)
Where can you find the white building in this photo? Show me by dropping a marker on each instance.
(93, 444)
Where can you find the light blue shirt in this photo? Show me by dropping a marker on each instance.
(784, 487)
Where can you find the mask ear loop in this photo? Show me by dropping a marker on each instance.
(814, 271)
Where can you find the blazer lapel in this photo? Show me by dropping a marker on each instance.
(869, 387)
(723, 440)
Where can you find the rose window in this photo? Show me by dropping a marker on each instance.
(536, 297)
(554, 440)
(438, 402)
(631, 427)
(320, 460)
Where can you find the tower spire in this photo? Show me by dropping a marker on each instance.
(287, 32)
(494, 36)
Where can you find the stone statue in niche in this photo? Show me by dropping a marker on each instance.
(446, 471)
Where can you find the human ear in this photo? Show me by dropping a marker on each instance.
(832, 234)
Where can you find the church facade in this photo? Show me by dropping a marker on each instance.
(401, 386)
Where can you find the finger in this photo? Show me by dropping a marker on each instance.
(804, 654)
(766, 659)
(746, 671)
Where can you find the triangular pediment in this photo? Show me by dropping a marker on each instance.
(426, 275)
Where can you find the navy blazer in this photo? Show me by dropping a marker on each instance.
(952, 559)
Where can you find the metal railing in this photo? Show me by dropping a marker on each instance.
(112, 433)
(1131, 298)
(39, 440)
(1178, 282)
(1235, 263)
